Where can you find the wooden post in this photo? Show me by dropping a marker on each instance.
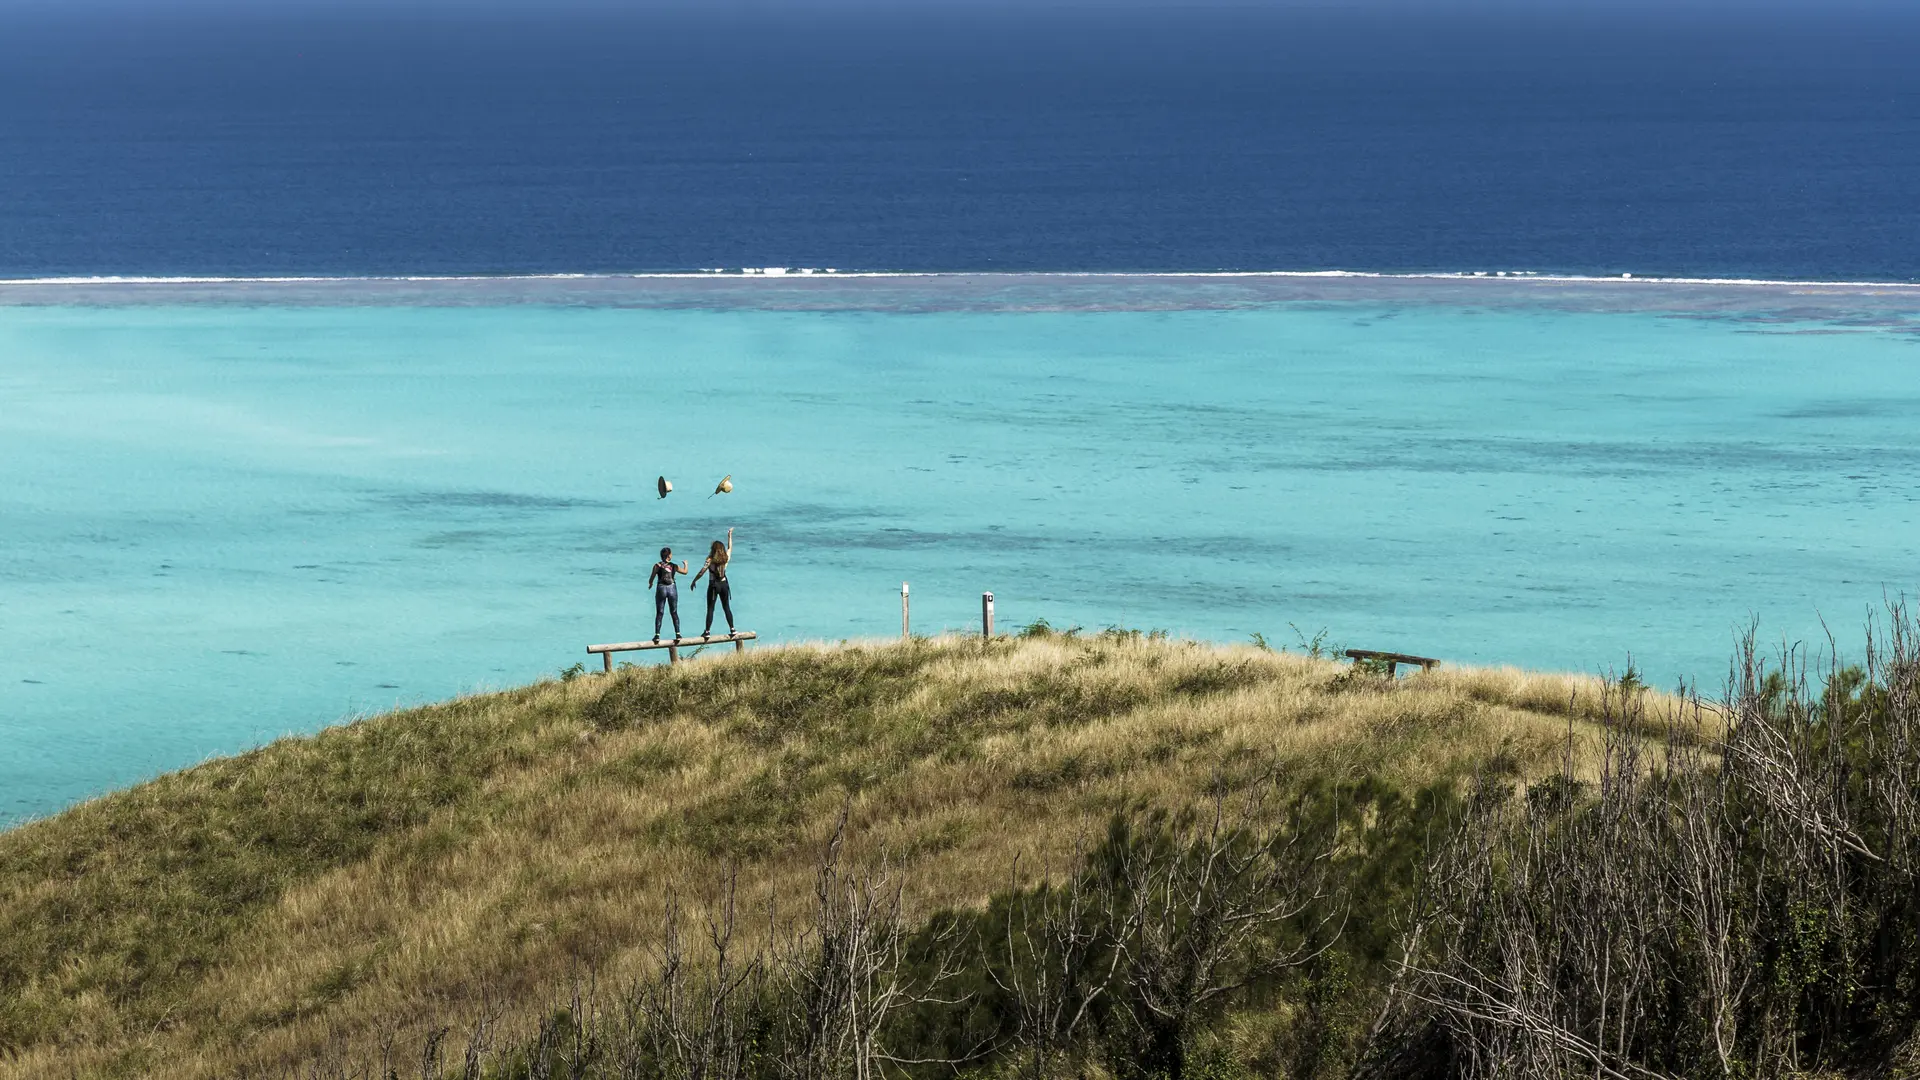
(739, 645)
(606, 661)
(673, 654)
(905, 625)
(986, 614)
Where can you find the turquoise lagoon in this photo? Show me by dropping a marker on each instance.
(232, 510)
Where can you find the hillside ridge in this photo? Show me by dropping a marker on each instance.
(424, 865)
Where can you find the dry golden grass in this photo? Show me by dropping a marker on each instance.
(431, 864)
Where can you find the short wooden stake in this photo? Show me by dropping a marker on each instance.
(905, 624)
(986, 614)
(606, 661)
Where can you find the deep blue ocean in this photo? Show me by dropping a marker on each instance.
(1684, 140)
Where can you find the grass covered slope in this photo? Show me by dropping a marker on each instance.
(472, 856)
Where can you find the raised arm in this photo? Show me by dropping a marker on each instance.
(729, 541)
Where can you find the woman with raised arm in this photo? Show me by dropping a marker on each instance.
(717, 587)
(666, 595)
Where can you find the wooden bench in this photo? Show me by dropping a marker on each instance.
(672, 646)
(1392, 660)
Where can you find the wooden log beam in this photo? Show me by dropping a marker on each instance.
(672, 646)
(1392, 659)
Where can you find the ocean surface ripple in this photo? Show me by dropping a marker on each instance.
(234, 509)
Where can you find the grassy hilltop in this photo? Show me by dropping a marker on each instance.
(465, 859)
(1033, 858)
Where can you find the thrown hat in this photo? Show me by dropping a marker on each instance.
(726, 485)
(665, 485)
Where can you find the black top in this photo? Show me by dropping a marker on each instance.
(663, 572)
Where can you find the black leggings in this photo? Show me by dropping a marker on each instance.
(718, 589)
(666, 598)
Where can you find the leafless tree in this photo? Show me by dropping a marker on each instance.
(696, 1020)
(1062, 958)
(1765, 878)
(1539, 940)
(844, 976)
(1199, 911)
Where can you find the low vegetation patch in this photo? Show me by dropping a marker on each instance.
(409, 887)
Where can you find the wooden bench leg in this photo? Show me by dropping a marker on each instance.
(606, 662)
(673, 654)
(739, 645)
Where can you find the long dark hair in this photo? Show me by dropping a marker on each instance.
(718, 556)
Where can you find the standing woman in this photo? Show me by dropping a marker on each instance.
(666, 595)
(717, 587)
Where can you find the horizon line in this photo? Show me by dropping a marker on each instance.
(788, 273)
